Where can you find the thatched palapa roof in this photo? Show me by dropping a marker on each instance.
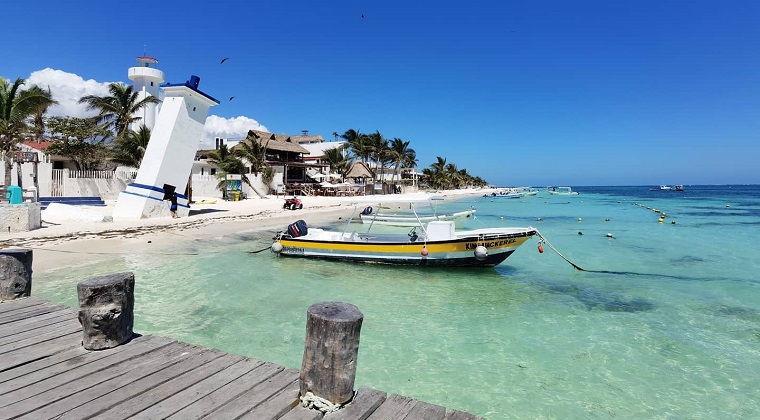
(359, 170)
(278, 142)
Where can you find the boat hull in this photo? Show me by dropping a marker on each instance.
(458, 252)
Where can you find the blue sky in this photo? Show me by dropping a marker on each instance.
(517, 92)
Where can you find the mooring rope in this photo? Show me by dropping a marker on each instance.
(312, 401)
(543, 239)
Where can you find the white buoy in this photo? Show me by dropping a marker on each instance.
(276, 247)
(481, 253)
(609, 235)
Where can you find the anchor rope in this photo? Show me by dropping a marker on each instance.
(544, 240)
(311, 401)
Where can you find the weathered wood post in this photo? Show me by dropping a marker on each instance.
(106, 310)
(15, 273)
(332, 346)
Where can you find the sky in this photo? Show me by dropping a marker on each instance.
(520, 93)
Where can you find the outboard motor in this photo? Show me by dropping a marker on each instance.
(367, 211)
(298, 228)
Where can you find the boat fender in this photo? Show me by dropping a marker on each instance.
(298, 228)
(540, 249)
(481, 253)
(276, 247)
(367, 210)
(424, 251)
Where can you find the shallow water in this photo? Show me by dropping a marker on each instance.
(665, 324)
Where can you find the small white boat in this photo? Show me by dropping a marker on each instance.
(504, 195)
(459, 218)
(668, 188)
(561, 191)
(434, 243)
(527, 191)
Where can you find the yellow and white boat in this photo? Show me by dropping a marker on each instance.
(433, 243)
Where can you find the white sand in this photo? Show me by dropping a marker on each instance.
(77, 232)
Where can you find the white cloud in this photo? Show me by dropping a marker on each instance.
(228, 128)
(67, 88)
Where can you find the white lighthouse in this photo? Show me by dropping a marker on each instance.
(146, 79)
(169, 157)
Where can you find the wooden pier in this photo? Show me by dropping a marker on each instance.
(46, 373)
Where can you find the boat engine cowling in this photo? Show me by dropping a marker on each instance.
(298, 228)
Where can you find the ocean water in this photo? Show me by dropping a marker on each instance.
(664, 324)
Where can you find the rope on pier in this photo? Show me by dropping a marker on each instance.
(543, 239)
(312, 401)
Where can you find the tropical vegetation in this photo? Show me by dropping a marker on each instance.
(118, 110)
(17, 107)
(380, 153)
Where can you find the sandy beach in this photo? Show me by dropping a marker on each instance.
(79, 233)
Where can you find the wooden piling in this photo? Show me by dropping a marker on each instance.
(15, 273)
(331, 349)
(106, 310)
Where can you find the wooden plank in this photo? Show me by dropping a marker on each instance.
(300, 413)
(30, 338)
(279, 404)
(192, 394)
(175, 378)
(255, 396)
(59, 362)
(40, 321)
(27, 313)
(88, 374)
(461, 415)
(110, 394)
(226, 393)
(112, 391)
(46, 349)
(12, 305)
(31, 367)
(426, 411)
(365, 402)
(395, 407)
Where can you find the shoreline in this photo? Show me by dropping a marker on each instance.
(71, 230)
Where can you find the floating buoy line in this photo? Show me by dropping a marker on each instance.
(662, 214)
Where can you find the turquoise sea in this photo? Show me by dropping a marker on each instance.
(664, 325)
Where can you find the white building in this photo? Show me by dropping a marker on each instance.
(146, 81)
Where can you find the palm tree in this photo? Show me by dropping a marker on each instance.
(253, 151)
(452, 175)
(358, 142)
(129, 150)
(398, 152)
(118, 110)
(378, 151)
(437, 173)
(335, 134)
(16, 107)
(228, 163)
(339, 164)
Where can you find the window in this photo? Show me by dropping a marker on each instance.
(151, 83)
(213, 171)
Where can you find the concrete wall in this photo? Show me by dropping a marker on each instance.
(106, 189)
(20, 217)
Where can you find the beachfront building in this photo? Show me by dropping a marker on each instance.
(296, 159)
